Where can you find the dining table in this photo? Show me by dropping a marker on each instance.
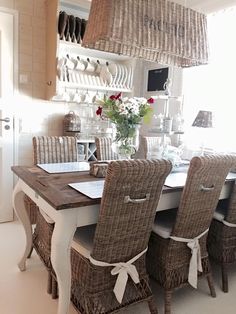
(68, 209)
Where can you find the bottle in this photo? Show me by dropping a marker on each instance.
(167, 124)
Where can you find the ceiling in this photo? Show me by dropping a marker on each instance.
(204, 6)
(207, 6)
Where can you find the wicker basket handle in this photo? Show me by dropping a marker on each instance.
(137, 200)
(205, 189)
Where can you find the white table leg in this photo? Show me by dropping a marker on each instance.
(65, 226)
(19, 207)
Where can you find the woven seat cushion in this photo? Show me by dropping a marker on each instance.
(83, 240)
(164, 222)
(220, 213)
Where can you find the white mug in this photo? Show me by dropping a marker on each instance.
(91, 66)
(81, 64)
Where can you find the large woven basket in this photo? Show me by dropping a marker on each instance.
(156, 30)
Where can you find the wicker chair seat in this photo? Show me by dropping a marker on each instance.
(173, 259)
(92, 287)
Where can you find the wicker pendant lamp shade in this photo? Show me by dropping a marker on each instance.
(155, 30)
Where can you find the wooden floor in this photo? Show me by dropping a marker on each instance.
(25, 292)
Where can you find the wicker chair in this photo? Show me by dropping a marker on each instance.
(147, 145)
(221, 242)
(130, 198)
(49, 149)
(169, 259)
(104, 150)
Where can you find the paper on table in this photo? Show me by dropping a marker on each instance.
(65, 167)
(176, 179)
(92, 189)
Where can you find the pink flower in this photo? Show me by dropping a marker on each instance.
(99, 111)
(150, 101)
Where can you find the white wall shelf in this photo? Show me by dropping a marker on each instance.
(75, 86)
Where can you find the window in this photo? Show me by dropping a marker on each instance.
(213, 86)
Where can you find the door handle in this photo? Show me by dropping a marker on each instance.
(5, 120)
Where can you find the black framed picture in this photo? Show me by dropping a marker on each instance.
(157, 79)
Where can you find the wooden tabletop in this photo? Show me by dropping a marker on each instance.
(54, 187)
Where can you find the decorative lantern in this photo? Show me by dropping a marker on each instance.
(71, 124)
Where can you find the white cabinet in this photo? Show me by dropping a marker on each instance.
(71, 68)
(89, 149)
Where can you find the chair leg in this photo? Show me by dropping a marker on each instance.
(49, 287)
(29, 256)
(211, 285)
(152, 306)
(54, 288)
(168, 296)
(224, 272)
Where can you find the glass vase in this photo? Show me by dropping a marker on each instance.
(125, 143)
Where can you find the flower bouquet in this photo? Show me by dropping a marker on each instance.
(126, 114)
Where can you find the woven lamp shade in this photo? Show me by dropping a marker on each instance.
(155, 30)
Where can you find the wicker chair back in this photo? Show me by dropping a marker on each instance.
(124, 226)
(53, 149)
(148, 144)
(104, 150)
(206, 177)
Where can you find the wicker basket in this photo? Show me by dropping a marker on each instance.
(155, 30)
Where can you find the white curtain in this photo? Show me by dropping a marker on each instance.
(213, 87)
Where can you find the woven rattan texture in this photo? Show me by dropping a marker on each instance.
(221, 242)
(104, 149)
(31, 208)
(168, 260)
(42, 240)
(48, 149)
(156, 30)
(52, 149)
(149, 144)
(122, 232)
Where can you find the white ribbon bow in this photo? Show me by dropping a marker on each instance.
(123, 270)
(229, 224)
(195, 263)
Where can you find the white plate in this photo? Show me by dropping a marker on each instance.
(113, 70)
(120, 77)
(105, 75)
(125, 81)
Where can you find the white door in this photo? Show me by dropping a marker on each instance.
(6, 113)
